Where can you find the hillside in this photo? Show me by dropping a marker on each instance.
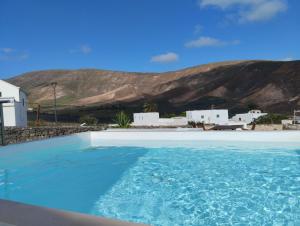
(273, 86)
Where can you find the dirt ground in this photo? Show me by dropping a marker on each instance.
(270, 127)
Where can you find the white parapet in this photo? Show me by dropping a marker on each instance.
(112, 137)
(249, 117)
(145, 119)
(214, 116)
(153, 119)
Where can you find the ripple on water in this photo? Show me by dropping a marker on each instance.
(177, 186)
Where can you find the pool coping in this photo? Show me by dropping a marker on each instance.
(19, 214)
(191, 135)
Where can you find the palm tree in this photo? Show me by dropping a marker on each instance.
(150, 107)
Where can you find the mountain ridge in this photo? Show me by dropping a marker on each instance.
(271, 85)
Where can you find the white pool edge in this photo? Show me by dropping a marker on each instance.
(97, 138)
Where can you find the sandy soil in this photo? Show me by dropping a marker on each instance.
(270, 127)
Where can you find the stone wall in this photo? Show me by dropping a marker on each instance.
(19, 135)
(291, 127)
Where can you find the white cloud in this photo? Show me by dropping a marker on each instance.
(84, 49)
(10, 54)
(263, 12)
(24, 56)
(198, 28)
(165, 58)
(204, 42)
(224, 4)
(288, 59)
(249, 10)
(7, 50)
(209, 42)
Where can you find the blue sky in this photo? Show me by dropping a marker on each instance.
(143, 35)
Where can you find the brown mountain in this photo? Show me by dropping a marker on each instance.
(272, 86)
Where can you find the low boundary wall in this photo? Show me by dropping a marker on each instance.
(19, 135)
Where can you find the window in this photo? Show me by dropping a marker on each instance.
(0, 94)
(240, 119)
(218, 116)
(202, 116)
(23, 102)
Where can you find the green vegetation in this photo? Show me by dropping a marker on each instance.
(150, 107)
(172, 115)
(182, 114)
(168, 115)
(89, 120)
(252, 106)
(123, 120)
(271, 119)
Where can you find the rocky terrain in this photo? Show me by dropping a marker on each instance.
(270, 85)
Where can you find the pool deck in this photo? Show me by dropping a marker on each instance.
(18, 214)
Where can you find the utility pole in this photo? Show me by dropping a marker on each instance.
(54, 84)
(37, 121)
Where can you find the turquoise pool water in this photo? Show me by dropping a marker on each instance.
(203, 184)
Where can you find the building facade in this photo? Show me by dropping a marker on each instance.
(248, 117)
(153, 119)
(214, 116)
(14, 113)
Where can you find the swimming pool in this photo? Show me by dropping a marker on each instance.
(158, 183)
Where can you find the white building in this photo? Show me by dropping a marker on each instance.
(214, 116)
(248, 117)
(153, 119)
(15, 113)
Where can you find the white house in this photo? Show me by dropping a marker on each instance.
(214, 116)
(145, 119)
(14, 113)
(248, 117)
(153, 119)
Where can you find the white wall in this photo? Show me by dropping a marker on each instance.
(14, 114)
(152, 119)
(145, 119)
(21, 111)
(9, 114)
(176, 121)
(248, 117)
(9, 90)
(208, 116)
(139, 138)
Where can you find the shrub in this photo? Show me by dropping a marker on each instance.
(182, 114)
(122, 120)
(196, 124)
(192, 124)
(150, 107)
(89, 120)
(271, 119)
(252, 106)
(169, 115)
(172, 115)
